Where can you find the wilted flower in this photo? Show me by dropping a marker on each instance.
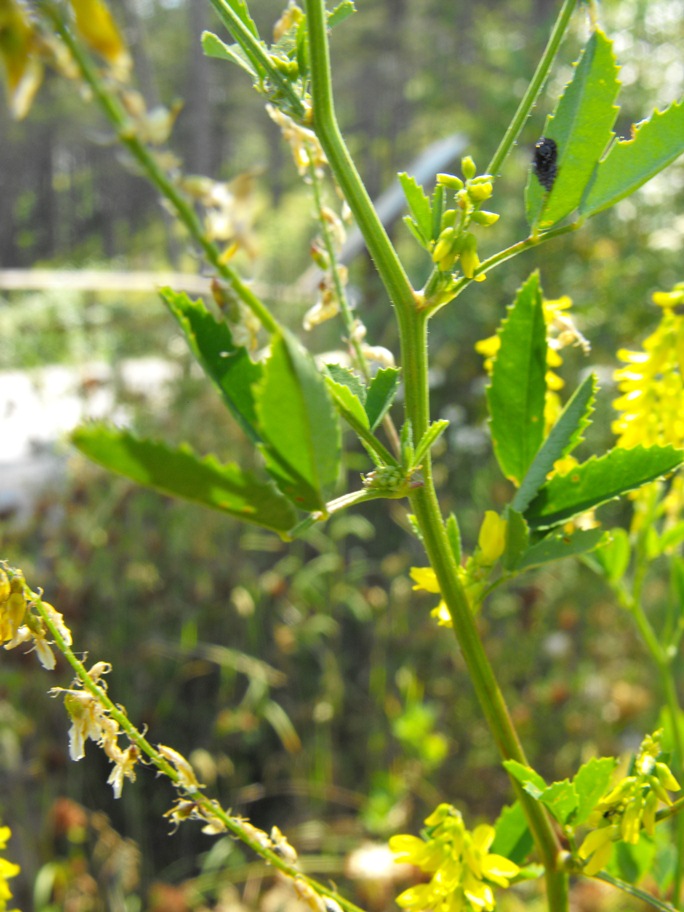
(462, 868)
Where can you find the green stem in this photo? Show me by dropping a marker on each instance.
(534, 88)
(256, 52)
(147, 160)
(413, 334)
(325, 125)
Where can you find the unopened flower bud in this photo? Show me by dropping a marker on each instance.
(448, 218)
(443, 245)
(450, 180)
(468, 167)
(469, 258)
(482, 217)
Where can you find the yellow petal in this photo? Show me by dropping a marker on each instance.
(96, 25)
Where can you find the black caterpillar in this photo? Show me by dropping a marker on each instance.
(544, 162)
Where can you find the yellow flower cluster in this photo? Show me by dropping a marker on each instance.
(629, 807)
(462, 869)
(474, 574)
(7, 869)
(651, 405)
(21, 623)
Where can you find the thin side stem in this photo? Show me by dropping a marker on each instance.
(239, 828)
(158, 177)
(529, 98)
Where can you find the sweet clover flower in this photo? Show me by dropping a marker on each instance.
(629, 807)
(474, 574)
(650, 383)
(463, 871)
(7, 869)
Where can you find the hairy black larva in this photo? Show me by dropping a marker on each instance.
(544, 161)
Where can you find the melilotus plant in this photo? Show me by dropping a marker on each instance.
(608, 822)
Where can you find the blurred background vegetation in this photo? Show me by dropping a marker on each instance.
(306, 680)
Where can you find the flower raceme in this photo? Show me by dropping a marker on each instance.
(651, 383)
(629, 808)
(463, 871)
(7, 869)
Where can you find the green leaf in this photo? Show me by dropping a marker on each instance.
(516, 393)
(226, 364)
(565, 435)
(559, 545)
(348, 378)
(454, 535)
(437, 207)
(380, 395)
(530, 780)
(517, 539)
(598, 480)
(214, 47)
(561, 799)
(181, 473)
(241, 10)
(629, 163)
(591, 782)
(613, 555)
(581, 126)
(299, 425)
(349, 405)
(429, 438)
(341, 12)
(419, 207)
(513, 838)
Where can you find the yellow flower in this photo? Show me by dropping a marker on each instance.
(652, 393)
(462, 868)
(7, 869)
(629, 807)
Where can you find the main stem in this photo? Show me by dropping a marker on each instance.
(413, 335)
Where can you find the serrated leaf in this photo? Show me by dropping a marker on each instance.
(298, 424)
(429, 438)
(629, 163)
(561, 799)
(380, 394)
(349, 404)
(565, 435)
(517, 390)
(530, 780)
(559, 545)
(181, 473)
(598, 480)
(214, 47)
(228, 365)
(581, 126)
(591, 782)
(341, 12)
(419, 206)
(241, 10)
(348, 378)
(513, 838)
